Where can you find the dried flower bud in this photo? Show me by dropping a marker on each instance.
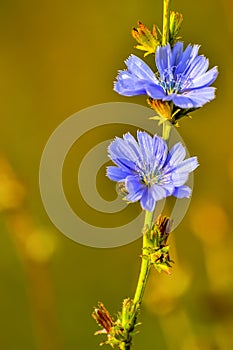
(158, 250)
(162, 108)
(103, 318)
(163, 223)
(121, 190)
(147, 39)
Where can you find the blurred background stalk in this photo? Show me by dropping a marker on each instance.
(34, 248)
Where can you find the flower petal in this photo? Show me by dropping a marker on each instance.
(163, 59)
(146, 145)
(179, 178)
(147, 201)
(195, 98)
(182, 192)
(189, 54)
(159, 151)
(205, 79)
(169, 188)
(128, 84)
(125, 164)
(182, 170)
(155, 91)
(199, 66)
(188, 165)
(177, 52)
(117, 174)
(183, 101)
(134, 145)
(157, 192)
(135, 188)
(120, 149)
(140, 69)
(175, 155)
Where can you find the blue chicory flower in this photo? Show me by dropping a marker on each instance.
(148, 170)
(182, 77)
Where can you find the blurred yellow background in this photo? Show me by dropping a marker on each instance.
(58, 57)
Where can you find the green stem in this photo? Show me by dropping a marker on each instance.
(125, 346)
(142, 280)
(166, 130)
(165, 40)
(145, 266)
(166, 21)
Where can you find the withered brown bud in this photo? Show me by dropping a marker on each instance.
(164, 224)
(103, 318)
(162, 108)
(121, 190)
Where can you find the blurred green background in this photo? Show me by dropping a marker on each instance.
(58, 57)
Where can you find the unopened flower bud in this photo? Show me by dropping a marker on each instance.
(176, 20)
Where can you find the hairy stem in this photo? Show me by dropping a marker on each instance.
(143, 277)
(165, 40)
(125, 346)
(166, 21)
(145, 266)
(166, 130)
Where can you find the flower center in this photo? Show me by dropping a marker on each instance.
(150, 178)
(172, 83)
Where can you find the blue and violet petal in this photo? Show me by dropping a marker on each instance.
(149, 171)
(182, 77)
